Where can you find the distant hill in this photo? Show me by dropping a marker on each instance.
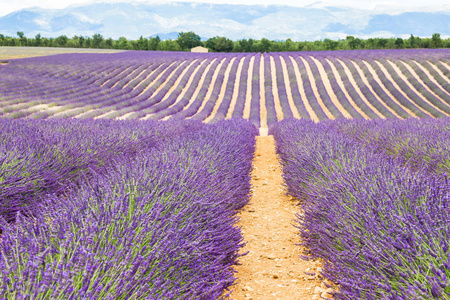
(233, 21)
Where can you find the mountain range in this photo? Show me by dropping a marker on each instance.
(312, 22)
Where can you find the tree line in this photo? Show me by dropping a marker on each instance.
(187, 40)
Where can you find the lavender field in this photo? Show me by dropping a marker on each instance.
(375, 203)
(123, 175)
(121, 209)
(263, 88)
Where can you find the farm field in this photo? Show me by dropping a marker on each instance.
(7, 52)
(141, 175)
(263, 88)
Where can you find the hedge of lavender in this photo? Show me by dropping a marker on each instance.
(151, 221)
(375, 203)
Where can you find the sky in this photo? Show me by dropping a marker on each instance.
(8, 6)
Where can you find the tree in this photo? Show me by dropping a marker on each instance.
(330, 44)
(123, 43)
(246, 45)
(96, 40)
(264, 45)
(436, 41)
(381, 43)
(188, 40)
(22, 38)
(219, 44)
(141, 44)
(109, 43)
(399, 43)
(61, 41)
(169, 45)
(353, 42)
(153, 43)
(37, 39)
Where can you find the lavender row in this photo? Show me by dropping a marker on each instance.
(159, 225)
(381, 227)
(298, 101)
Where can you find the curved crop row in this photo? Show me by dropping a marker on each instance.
(324, 85)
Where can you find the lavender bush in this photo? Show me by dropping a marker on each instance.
(380, 225)
(157, 224)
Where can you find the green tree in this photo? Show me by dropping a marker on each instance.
(169, 45)
(188, 40)
(246, 45)
(399, 43)
(353, 43)
(436, 41)
(109, 43)
(264, 45)
(37, 39)
(61, 41)
(122, 43)
(330, 44)
(96, 40)
(153, 43)
(22, 38)
(381, 43)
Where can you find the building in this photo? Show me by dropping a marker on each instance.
(199, 49)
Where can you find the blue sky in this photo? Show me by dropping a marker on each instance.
(8, 6)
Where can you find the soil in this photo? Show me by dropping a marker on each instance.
(248, 96)
(367, 84)
(400, 90)
(301, 90)
(276, 96)
(222, 91)
(211, 87)
(314, 88)
(272, 269)
(341, 84)
(408, 83)
(329, 89)
(236, 89)
(262, 94)
(377, 79)
(287, 86)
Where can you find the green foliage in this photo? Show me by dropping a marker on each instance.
(189, 40)
(220, 44)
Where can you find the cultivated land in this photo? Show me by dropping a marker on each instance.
(263, 88)
(23, 52)
(355, 244)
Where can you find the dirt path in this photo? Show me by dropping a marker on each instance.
(272, 269)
